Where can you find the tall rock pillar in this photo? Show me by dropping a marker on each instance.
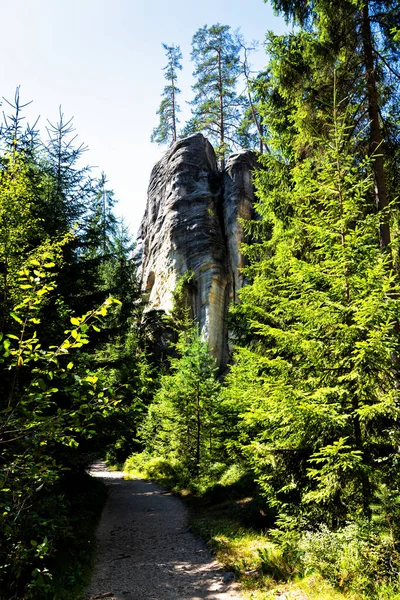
(191, 223)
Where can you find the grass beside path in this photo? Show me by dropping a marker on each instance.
(243, 550)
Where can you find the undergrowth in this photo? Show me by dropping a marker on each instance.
(73, 561)
(69, 514)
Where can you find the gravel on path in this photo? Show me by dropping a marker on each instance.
(145, 550)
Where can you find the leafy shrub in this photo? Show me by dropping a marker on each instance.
(135, 462)
(353, 558)
(281, 564)
(160, 467)
(232, 475)
(340, 557)
(152, 467)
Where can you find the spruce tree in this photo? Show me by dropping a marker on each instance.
(314, 385)
(15, 136)
(166, 131)
(69, 185)
(182, 420)
(100, 222)
(216, 108)
(362, 37)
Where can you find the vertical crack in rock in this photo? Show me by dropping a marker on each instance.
(191, 223)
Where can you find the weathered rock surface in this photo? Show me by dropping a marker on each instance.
(238, 203)
(192, 223)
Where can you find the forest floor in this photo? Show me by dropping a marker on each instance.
(146, 551)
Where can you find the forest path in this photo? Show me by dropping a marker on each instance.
(144, 548)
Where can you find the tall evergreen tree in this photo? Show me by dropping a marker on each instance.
(69, 185)
(166, 131)
(363, 35)
(315, 386)
(252, 128)
(100, 222)
(14, 134)
(217, 109)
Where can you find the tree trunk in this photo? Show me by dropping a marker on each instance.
(173, 112)
(198, 432)
(375, 129)
(256, 122)
(221, 113)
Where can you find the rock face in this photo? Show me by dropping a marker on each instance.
(191, 223)
(238, 203)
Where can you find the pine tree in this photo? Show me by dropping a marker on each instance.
(14, 135)
(166, 131)
(216, 108)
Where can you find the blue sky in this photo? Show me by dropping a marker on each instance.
(102, 61)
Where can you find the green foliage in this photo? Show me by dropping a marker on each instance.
(166, 131)
(181, 317)
(51, 408)
(311, 402)
(319, 403)
(232, 475)
(19, 226)
(157, 467)
(354, 43)
(64, 396)
(216, 105)
(67, 188)
(182, 418)
(354, 558)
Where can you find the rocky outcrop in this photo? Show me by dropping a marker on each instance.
(192, 223)
(238, 203)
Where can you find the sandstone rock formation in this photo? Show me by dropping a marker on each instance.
(238, 202)
(192, 223)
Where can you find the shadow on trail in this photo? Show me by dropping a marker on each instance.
(145, 550)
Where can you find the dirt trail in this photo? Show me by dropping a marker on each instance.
(145, 550)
